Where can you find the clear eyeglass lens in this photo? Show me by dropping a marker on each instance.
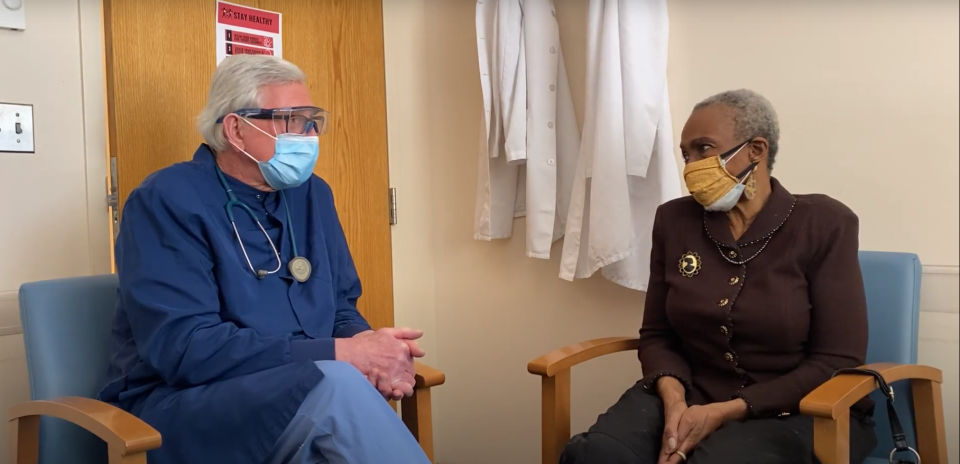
(299, 122)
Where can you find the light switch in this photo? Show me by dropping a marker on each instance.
(13, 15)
(16, 128)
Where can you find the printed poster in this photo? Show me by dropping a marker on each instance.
(243, 30)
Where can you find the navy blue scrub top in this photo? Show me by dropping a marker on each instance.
(215, 359)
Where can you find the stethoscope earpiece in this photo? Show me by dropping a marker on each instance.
(261, 274)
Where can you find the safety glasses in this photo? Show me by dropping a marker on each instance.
(300, 120)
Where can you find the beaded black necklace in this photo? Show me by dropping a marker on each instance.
(765, 239)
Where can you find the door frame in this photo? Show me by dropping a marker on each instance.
(96, 146)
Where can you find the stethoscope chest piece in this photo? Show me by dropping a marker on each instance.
(300, 268)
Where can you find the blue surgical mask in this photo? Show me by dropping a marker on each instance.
(729, 200)
(293, 160)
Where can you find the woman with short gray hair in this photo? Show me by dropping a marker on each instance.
(755, 299)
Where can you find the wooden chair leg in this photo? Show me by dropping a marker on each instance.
(555, 416)
(25, 440)
(831, 439)
(931, 432)
(117, 457)
(418, 417)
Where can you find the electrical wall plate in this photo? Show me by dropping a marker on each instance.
(16, 128)
(13, 15)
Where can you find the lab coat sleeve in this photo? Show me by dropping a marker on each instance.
(169, 292)
(512, 79)
(660, 348)
(644, 33)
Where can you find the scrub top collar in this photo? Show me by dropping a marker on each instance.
(205, 157)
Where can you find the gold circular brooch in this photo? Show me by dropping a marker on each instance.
(690, 264)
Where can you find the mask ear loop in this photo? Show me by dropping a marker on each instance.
(725, 157)
(274, 137)
(742, 177)
(257, 128)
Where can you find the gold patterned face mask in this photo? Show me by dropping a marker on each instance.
(712, 185)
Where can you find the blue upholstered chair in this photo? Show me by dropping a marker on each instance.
(66, 330)
(892, 284)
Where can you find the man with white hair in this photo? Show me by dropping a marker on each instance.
(236, 334)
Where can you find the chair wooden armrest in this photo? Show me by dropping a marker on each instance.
(428, 377)
(554, 368)
(416, 410)
(830, 403)
(564, 358)
(128, 438)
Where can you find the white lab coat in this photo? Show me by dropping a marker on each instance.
(529, 138)
(626, 167)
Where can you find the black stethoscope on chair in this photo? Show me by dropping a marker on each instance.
(299, 266)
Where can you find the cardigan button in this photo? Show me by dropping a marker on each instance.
(734, 280)
(732, 254)
(728, 357)
(724, 302)
(724, 330)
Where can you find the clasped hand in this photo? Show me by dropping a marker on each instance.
(685, 427)
(385, 357)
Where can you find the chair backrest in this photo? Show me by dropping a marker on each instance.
(66, 333)
(892, 283)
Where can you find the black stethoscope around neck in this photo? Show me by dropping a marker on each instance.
(299, 266)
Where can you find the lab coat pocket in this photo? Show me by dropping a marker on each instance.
(315, 302)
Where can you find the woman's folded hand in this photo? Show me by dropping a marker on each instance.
(698, 422)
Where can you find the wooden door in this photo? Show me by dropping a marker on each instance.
(160, 57)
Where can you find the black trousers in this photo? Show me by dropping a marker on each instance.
(631, 432)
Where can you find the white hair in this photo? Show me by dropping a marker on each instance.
(236, 85)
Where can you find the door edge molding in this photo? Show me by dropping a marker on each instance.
(94, 100)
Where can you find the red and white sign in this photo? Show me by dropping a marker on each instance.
(249, 39)
(237, 49)
(243, 30)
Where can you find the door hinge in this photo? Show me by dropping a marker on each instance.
(113, 198)
(393, 206)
